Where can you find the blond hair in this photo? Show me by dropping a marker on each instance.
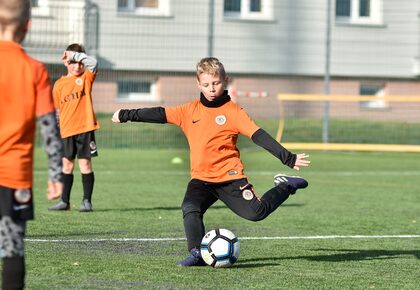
(14, 13)
(211, 66)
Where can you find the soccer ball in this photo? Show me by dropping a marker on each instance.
(220, 248)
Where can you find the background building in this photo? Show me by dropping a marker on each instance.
(148, 49)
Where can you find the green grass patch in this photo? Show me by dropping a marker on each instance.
(138, 194)
(351, 131)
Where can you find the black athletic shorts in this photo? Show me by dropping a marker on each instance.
(16, 203)
(237, 194)
(83, 145)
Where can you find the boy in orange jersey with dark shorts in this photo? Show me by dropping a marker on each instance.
(73, 100)
(25, 95)
(211, 125)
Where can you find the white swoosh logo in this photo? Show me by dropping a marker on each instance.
(20, 207)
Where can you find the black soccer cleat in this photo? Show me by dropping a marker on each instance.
(60, 206)
(194, 259)
(293, 182)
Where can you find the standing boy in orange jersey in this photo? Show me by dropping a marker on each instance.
(73, 100)
(211, 125)
(25, 94)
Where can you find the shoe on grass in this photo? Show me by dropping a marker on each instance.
(194, 259)
(293, 182)
(60, 206)
(86, 206)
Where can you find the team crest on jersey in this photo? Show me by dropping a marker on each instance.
(220, 120)
(23, 195)
(79, 81)
(247, 194)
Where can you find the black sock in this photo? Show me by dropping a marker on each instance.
(88, 180)
(13, 276)
(67, 185)
(194, 229)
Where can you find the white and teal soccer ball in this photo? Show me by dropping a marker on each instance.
(220, 248)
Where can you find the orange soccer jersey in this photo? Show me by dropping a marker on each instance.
(212, 134)
(25, 92)
(73, 99)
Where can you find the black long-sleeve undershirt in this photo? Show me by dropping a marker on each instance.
(148, 115)
(264, 140)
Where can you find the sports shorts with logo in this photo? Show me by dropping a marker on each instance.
(16, 203)
(81, 145)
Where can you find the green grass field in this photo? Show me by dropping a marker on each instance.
(138, 195)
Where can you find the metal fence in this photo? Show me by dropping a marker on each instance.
(147, 51)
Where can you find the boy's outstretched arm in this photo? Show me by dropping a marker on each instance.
(295, 161)
(148, 115)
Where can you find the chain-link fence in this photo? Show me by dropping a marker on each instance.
(147, 52)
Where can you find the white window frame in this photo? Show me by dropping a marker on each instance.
(375, 18)
(266, 12)
(162, 10)
(138, 97)
(43, 9)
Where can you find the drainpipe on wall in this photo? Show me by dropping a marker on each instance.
(210, 29)
(325, 124)
(92, 28)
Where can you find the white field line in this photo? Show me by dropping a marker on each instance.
(265, 173)
(241, 238)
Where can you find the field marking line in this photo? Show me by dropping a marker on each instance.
(336, 237)
(241, 238)
(269, 173)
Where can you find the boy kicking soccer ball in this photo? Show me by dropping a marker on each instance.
(212, 124)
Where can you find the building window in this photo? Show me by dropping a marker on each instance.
(248, 9)
(137, 91)
(232, 6)
(144, 7)
(255, 6)
(377, 90)
(342, 8)
(40, 8)
(358, 11)
(364, 8)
